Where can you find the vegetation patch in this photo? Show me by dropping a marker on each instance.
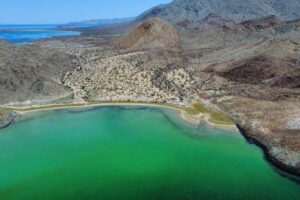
(217, 117)
(5, 110)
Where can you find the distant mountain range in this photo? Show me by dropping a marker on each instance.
(237, 10)
(97, 22)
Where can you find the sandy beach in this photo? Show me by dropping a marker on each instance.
(182, 113)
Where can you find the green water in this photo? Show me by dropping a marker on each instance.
(131, 153)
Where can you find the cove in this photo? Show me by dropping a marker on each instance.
(128, 152)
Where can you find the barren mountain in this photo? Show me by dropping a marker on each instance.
(237, 10)
(152, 33)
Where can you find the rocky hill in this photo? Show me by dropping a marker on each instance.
(31, 73)
(152, 33)
(237, 10)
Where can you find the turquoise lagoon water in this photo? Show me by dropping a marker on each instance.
(135, 153)
(21, 34)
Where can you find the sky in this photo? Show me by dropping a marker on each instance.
(62, 11)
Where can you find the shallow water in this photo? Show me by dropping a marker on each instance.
(131, 153)
(22, 34)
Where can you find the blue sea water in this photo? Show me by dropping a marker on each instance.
(21, 34)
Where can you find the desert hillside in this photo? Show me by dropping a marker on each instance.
(237, 10)
(32, 73)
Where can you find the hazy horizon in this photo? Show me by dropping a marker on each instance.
(16, 12)
(55, 24)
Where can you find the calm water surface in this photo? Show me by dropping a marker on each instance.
(21, 34)
(113, 153)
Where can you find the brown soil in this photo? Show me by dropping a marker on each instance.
(153, 33)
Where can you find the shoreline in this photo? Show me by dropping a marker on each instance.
(183, 115)
(290, 172)
(181, 112)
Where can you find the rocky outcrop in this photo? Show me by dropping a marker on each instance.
(215, 20)
(6, 118)
(272, 125)
(262, 23)
(264, 70)
(284, 159)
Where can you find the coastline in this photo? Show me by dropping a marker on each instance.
(201, 118)
(285, 168)
(180, 110)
